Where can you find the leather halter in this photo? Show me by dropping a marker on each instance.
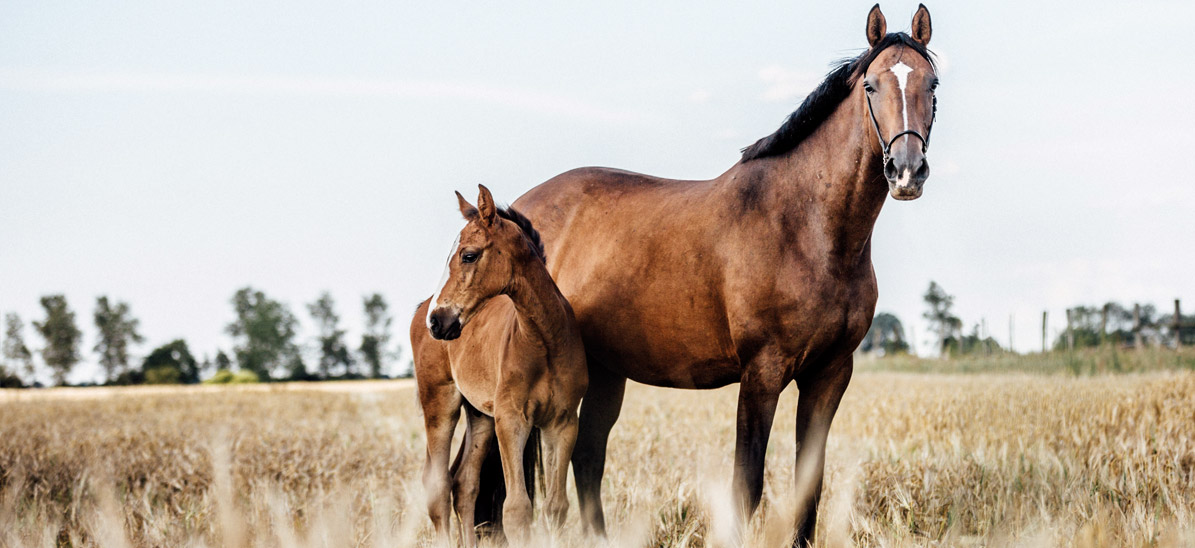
(886, 145)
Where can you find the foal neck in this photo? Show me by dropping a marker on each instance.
(539, 306)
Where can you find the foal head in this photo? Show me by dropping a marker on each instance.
(898, 86)
(484, 262)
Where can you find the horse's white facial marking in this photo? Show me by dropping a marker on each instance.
(435, 303)
(901, 70)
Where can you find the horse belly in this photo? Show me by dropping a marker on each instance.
(673, 338)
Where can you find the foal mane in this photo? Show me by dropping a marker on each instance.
(533, 241)
(825, 98)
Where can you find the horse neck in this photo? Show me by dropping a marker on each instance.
(833, 181)
(539, 306)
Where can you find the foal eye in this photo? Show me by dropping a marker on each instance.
(469, 258)
(867, 87)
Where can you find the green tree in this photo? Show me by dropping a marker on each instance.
(16, 354)
(886, 336)
(941, 320)
(61, 335)
(334, 353)
(171, 363)
(265, 333)
(117, 329)
(972, 343)
(377, 334)
(223, 363)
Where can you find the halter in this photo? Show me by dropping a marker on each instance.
(886, 145)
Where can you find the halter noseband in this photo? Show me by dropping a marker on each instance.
(886, 145)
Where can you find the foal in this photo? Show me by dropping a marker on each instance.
(500, 340)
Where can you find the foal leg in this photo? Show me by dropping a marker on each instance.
(559, 440)
(599, 412)
(478, 436)
(759, 390)
(820, 392)
(513, 429)
(441, 410)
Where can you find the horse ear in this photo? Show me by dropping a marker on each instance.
(485, 205)
(467, 210)
(921, 27)
(877, 27)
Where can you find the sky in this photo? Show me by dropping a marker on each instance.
(166, 154)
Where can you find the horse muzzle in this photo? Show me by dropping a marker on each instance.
(906, 175)
(444, 324)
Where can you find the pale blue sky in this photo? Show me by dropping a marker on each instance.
(167, 154)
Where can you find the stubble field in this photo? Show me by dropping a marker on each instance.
(914, 459)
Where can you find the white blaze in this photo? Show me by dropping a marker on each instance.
(901, 70)
(443, 281)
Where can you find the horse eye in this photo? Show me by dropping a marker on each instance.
(469, 258)
(867, 87)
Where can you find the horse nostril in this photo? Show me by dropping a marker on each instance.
(434, 323)
(890, 170)
(922, 172)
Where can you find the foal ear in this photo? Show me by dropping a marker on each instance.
(921, 26)
(877, 27)
(485, 205)
(468, 211)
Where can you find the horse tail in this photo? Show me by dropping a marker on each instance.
(491, 490)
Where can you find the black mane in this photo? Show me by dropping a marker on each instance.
(524, 224)
(824, 100)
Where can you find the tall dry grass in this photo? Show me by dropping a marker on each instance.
(914, 459)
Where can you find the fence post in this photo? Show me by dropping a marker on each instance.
(1137, 341)
(1044, 323)
(1011, 330)
(1070, 331)
(1177, 325)
(1104, 325)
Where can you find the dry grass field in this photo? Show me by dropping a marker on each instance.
(915, 459)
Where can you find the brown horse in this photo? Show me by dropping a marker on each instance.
(516, 358)
(761, 276)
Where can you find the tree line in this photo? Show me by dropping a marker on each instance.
(265, 345)
(1087, 326)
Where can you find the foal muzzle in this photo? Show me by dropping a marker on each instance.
(444, 324)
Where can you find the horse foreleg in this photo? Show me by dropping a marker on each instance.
(559, 440)
(479, 434)
(759, 390)
(820, 393)
(513, 429)
(441, 410)
(599, 412)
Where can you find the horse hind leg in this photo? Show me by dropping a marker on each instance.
(599, 411)
(479, 434)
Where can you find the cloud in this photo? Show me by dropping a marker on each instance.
(786, 85)
(700, 96)
(271, 85)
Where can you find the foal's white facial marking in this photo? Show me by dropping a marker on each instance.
(901, 70)
(443, 281)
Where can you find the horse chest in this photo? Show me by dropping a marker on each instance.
(812, 312)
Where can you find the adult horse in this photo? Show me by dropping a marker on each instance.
(761, 276)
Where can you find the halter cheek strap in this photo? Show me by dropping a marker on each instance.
(886, 144)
